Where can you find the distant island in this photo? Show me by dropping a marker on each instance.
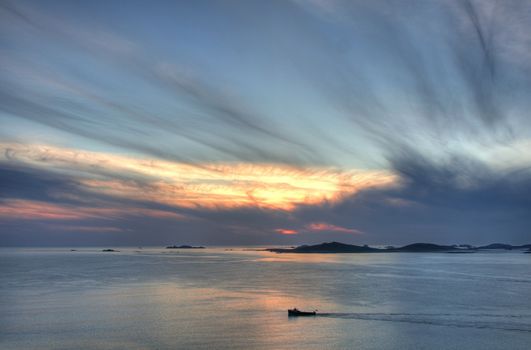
(184, 247)
(110, 250)
(505, 246)
(332, 247)
(337, 247)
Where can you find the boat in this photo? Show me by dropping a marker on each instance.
(297, 312)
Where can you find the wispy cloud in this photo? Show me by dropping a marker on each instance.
(20, 209)
(208, 185)
(211, 116)
(325, 227)
(90, 229)
(318, 227)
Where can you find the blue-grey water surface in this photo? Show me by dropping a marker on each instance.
(221, 299)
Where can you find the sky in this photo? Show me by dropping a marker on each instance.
(264, 122)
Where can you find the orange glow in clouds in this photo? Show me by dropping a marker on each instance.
(319, 227)
(322, 226)
(207, 185)
(286, 231)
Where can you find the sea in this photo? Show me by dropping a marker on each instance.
(237, 298)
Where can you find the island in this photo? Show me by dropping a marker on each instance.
(331, 247)
(427, 247)
(505, 246)
(109, 250)
(337, 247)
(184, 247)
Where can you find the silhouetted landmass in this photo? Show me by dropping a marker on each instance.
(110, 250)
(331, 247)
(505, 246)
(424, 247)
(336, 247)
(184, 247)
(497, 246)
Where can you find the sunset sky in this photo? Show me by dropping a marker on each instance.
(264, 122)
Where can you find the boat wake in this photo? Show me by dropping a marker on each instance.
(517, 323)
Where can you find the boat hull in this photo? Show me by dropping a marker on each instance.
(301, 313)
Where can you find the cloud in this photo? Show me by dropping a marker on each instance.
(19, 209)
(450, 87)
(459, 200)
(210, 185)
(285, 231)
(211, 118)
(228, 203)
(325, 227)
(377, 72)
(317, 227)
(91, 229)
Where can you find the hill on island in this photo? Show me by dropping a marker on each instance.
(505, 246)
(337, 247)
(331, 247)
(422, 247)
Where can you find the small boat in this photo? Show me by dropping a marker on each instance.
(296, 312)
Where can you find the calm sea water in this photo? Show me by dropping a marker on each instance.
(218, 299)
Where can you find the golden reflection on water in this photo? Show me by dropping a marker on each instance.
(300, 258)
(215, 298)
(258, 314)
(313, 258)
